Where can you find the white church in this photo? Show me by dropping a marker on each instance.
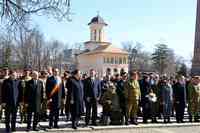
(100, 54)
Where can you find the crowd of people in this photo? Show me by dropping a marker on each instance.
(45, 95)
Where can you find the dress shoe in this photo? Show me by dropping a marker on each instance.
(36, 129)
(135, 123)
(56, 126)
(28, 129)
(74, 127)
(126, 123)
(50, 127)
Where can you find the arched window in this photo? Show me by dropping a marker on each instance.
(116, 60)
(108, 60)
(112, 60)
(120, 60)
(124, 60)
(99, 35)
(95, 35)
(104, 59)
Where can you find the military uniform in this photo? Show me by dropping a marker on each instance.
(111, 106)
(132, 95)
(23, 98)
(194, 100)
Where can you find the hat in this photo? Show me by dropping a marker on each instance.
(27, 68)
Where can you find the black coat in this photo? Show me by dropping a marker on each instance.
(34, 95)
(76, 93)
(120, 92)
(145, 88)
(9, 95)
(179, 91)
(92, 89)
(56, 97)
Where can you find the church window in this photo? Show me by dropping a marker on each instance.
(120, 60)
(108, 60)
(116, 60)
(112, 60)
(99, 35)
(104, 60)
(124, 60)
(95, 35)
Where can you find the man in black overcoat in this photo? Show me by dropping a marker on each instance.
(145, 88)
(55, 94)
(34, 99)
(76, 98)
(179, 91)
(10, 96)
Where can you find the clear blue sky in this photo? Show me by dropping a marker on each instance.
(145, 21)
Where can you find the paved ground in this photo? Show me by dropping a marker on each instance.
(158, 128)
(141, 128)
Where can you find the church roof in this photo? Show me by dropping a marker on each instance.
(107, 49)
(97, 20)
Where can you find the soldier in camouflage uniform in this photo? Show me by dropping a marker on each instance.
(194, 98)
(22, 95)
(133, 96)
(111, 106)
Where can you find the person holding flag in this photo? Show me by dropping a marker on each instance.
(55, 95)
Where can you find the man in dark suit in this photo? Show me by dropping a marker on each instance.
(92, 93)
(10, 90)
(55, 95)
(34, 99)
(76, 98)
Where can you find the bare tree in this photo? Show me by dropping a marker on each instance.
(15, 11)
(138, 58)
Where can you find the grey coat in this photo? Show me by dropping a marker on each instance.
(167, 99)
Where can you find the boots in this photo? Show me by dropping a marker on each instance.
(134, 121)
(168, 120)
(105, 120)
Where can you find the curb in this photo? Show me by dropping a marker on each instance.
(141, 126)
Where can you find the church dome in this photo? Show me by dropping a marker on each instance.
(97, 20)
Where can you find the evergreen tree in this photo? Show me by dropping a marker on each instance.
(182, 70)
(160, 57)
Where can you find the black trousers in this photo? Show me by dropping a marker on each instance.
(91, 107)
(75, 116)
(124, 114)
(53, 117)
(67, 109)
(179, 108)
(10, 114)
(35, 119)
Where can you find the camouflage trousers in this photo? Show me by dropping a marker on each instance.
(44, 110)
(23, 112)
